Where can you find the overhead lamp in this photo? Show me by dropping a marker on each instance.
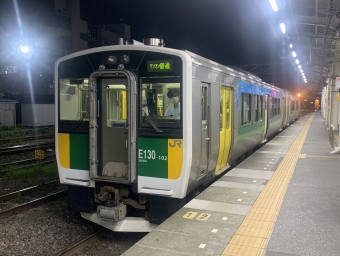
(301, 70)
(299, 67)
(291, 46)
(294, 54)
(24, 48)
(297, 61)
(274, 5)
(283, 28)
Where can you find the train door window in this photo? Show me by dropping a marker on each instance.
(275, 106)
(278, 107)
(254, 107)
(227, 98)
(246, 113)
(260, 107)
(221, 109)
(116, 105)
(204, 103)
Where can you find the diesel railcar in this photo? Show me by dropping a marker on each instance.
(141, 128)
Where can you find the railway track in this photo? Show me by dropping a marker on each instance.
(25, 139)
(25, 163)
(25, 148)
(81, 244)
(33, 203)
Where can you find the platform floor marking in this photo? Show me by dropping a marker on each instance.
(229, 184)
(252, 236)
(248, 173)
(323, 156)
(200, 204)
(269, 152)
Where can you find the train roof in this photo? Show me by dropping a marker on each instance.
(199, 60)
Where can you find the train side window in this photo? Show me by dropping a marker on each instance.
(246, 111)
(255, 110)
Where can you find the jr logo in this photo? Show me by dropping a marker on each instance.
(176, 142)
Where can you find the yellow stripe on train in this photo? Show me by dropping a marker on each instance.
(64, 149)
(175, 158)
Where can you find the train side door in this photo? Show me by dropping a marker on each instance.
(205, 130)
(225, 126)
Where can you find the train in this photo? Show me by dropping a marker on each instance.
(142, 128)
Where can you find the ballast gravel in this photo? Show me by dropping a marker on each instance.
(50, 228)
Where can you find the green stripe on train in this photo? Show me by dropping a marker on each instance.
(79, 151)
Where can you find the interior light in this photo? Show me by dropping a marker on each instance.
(283, 28)
(297, 61)
(299, 67)
(290, 46)
(294, 54)
(301, 70)
(274, 5)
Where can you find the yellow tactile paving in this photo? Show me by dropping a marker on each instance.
(247, 240)
(252, 236)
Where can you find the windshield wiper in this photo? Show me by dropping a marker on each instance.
(151, 122)
(75, 127)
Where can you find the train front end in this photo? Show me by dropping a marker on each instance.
(121, 147)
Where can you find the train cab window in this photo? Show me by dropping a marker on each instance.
(161, 101)
(116, 105)
(245, 112)
(74, 99)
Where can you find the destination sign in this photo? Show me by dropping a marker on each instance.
(160, 66)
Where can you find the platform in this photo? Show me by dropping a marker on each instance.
(281, 201)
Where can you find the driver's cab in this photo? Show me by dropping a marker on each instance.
(160, 100)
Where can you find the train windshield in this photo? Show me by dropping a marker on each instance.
(74, 99)
(161, 101)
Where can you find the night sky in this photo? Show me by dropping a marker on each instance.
(230, 32)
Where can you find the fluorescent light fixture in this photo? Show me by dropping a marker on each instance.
(283, 28)
(294, 54)
(274, 5)
(297, 61)
(299, 67)
(290, 46)
(301, 70)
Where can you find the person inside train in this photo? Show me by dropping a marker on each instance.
(174, 108)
